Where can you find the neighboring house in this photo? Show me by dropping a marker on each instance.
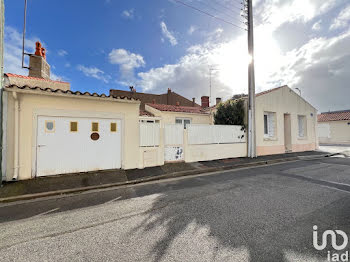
(170, 98)
(285, 122)
(334, 127)
(51, 130)
(184, 115)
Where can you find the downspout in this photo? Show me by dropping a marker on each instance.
(16, 155)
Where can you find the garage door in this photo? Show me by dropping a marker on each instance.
(69, 145)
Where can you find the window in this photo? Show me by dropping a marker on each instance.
(269, 124)
(183, 121)
(301, 126)
(74, 126)
(49, 126)
(94, 127)
(113, 127)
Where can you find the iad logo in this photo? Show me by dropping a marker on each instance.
(333, 235)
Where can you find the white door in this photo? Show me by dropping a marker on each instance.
(69, 145)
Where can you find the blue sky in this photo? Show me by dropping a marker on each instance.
(97, 45)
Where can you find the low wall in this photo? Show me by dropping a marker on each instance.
(151, 156)
(195, 153)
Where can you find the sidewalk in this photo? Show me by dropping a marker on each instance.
(72, 183)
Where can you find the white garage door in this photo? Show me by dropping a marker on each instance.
(69, 145)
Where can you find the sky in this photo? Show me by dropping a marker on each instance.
(153, 45)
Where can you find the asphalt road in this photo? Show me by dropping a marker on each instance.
(258, 214)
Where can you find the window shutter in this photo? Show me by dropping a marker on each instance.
(271, 124)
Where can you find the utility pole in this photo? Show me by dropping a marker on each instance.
(251, 84)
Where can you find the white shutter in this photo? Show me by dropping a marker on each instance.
(271, 124)
(301, 126)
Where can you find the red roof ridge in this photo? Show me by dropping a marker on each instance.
(174, 108)
(343, 115)
(36, 78)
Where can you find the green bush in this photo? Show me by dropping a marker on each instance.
(231, 112)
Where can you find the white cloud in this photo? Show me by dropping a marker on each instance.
(167, 34)
(13, 53)
(317, 26)
(313, 66)
(127, 62)
(94, 72)
(128, 14)
(191, 30)
(342, 20)
(62, 52)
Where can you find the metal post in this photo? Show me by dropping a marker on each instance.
(251, 84)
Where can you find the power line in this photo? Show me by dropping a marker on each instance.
(229, 9)
(225, 14)
(208, 14)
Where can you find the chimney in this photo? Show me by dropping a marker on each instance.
(177, 103)
(38, 67)
(193, 102)
(168, 97)
(218, 100)
(205, 101)
(132, 89)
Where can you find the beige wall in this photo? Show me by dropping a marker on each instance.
(339, 132)
(195, 153)
(32, 105)
(169, 117)
(284, 101)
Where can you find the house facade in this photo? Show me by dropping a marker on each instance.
(285, 122)
(334, 127)
(51, 131)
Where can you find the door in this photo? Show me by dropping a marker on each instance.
(287, 133)
(70, 145)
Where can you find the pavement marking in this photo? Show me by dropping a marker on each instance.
(45, 213)
(334, 185)
(110, 201)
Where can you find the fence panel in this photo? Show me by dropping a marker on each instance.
(149, 134)
(215, 134)
(173, 134)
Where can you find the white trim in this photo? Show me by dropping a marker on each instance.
(4, 135)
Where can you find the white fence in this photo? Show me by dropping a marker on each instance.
(173, 134)
(215, 134)
(149, 134)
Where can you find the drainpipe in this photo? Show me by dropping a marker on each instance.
(16, 156)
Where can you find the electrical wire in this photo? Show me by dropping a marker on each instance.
(208, 14)
(217, 10)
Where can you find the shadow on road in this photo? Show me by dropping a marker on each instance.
(265, 218)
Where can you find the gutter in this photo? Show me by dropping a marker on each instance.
(16, 153)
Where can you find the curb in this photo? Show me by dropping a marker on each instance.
(154, 178)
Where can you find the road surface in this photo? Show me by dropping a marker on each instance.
(257, 214)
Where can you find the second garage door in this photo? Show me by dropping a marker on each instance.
(69, 145)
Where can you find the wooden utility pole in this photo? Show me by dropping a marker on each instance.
(251, 84)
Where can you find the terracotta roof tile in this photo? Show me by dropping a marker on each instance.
(182, 109)
(69, 92)
(334, 116)
(145, 113)
(34, 78)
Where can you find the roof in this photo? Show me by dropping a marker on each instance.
(182, 109)
(268, 91)
(145, 113)
(63, 92)
(34, 78)
(334, 116)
